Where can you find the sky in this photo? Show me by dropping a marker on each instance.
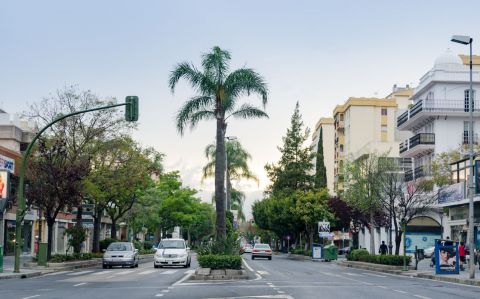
(318, 53)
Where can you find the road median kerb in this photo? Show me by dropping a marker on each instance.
(227, 274)
(299, 256)
(467, 281)
(375, 267)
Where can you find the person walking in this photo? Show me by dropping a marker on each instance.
(462, 255)
(383, 249)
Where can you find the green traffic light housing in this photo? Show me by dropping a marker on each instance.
(131, 109)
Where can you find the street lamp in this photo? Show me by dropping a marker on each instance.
(227, 178)
(467, 40)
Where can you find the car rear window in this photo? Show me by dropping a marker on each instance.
(119, 247)
(262, 246)
(174, 244)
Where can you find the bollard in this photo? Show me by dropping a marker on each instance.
(1, 259)
(42, 254)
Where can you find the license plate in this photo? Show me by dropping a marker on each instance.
(170, 262)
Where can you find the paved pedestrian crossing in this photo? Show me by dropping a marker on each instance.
(94, 275)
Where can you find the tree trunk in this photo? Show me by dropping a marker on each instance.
(188, 237)
(221, 232)
(372, 234)
(229, 195)
(50, 224)
(398, 241)
(113, 231)
(97, 220)
(310, 245)
(78, 247)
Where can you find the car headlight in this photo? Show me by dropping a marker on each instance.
(183, 255)
(158, 255)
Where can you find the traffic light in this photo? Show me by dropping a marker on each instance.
(131, 109)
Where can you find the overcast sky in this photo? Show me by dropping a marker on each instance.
(316, 52)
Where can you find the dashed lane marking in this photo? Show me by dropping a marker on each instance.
(401, 292)
(146, 272)
(79, 284)
(159, 295)
(423, 297)
(34, 296)
(375, 275)
(79, 273)
(169, 272)
(382, 287)
(351, 274)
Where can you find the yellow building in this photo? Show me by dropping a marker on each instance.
(367, 125)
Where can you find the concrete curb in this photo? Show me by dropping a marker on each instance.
(298, 257)
(375, 267)
(20, 275)
(228, 274)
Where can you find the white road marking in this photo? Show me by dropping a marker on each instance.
(382, 287)
(31, 297)
(189, 272)
(165, 291)
(263, 272)
(123, 272)
(169, 272)
(146, 272)
(398, 291)
(375, 275)
(187, 276)
(79, 273)
(102, 272)
(281, 292)
(159, 295)
(423, 297)
(248, 267)
(351, 274)
(79, 284)
(58, 273)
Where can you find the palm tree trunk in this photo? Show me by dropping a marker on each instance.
(220, 180)
(229, 195)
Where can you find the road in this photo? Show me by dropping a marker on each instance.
(279, 278)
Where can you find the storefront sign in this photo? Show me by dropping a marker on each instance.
(7, 163)
(452, 193)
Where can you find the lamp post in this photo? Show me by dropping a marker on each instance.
(467, 40)
(227, 178)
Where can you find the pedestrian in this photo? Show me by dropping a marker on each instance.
(383, 249)
(462, 255)
(477, 257)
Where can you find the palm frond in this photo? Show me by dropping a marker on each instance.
(197, 80)
(189, 108)
(208, 170)
(247, 111)
(246, 81)
(200, 115)
(215, 63)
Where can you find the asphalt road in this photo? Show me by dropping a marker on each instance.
(278, 278)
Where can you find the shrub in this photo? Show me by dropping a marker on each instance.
(229, 246)
(220, 261)
(104, 243)
(147, 251)
(61, 258)
(138, 245)
(148, 244)
(300, 250)
(362, 255)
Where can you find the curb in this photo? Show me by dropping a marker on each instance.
(20, 275)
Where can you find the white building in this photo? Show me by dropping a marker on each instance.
(439, 122)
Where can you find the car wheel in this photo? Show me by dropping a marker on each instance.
(269, 258)
(104, 266)
(110, 267)
(253, 257)
(155, 266)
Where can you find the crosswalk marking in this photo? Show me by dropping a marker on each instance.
(169, 272)
(189, 272)
(263, 272)
(123, 272)
(79, 273)
(146, 272)
(102, 272)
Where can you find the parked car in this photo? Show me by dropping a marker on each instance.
(247, 248)
(428, 252)
(262, 250)
(120, 254)
(172, 252)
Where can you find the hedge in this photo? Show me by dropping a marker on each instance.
(60, 258)
(300, 250)
(220, 261)
(362, 255)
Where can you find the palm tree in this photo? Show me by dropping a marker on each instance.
(218, 94)
(237, 169)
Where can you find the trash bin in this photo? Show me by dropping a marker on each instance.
(330, 252)
(420, 254)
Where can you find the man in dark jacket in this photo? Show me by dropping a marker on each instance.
(383, 249)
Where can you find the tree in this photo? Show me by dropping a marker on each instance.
(54, 182)
(311, 207)
(320, 169)
(217, 99)
(292, 171)
(237, 169)
(362, 189)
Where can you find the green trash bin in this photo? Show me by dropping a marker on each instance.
(330, 252)
(42, 254)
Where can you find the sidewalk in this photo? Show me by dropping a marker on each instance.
(425, 271)
(8, 265)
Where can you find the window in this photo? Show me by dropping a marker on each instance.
(466, 132)
(384, 111)
(467, 100)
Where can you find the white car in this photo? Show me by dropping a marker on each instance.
(247, 248)
(428, 252)
(172, 252)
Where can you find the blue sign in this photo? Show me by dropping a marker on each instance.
(446, 257)
(421, 240)
(317, 251)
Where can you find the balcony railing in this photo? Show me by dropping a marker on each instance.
(416, 173)
(465, 138)
(409, 175)
(419, 139)
(437, 105)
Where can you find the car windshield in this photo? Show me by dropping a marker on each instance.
(177, 244)
(119, 247)
(262, 246)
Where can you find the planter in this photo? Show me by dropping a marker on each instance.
(299, 256)
(227, 274)
(374, 267)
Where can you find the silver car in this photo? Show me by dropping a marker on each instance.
(172, 252)
(262, 250)
(120, 254)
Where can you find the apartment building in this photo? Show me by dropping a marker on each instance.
(439, 122)
(325, 127)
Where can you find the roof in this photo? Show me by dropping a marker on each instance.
(402, 93)
(324, 121)
(466, 59)
(375, 102)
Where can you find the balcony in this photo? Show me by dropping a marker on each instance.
(418, 145)
(425, 110)
(418, 172)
